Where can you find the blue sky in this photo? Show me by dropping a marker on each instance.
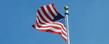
(88, 21)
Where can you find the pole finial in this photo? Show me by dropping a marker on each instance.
(66, 9)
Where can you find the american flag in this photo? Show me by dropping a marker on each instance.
(47, 20)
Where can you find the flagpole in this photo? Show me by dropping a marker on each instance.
(67, 24)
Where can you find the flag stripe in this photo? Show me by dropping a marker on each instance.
(54, 12)
(46, 15)
(49, 9)
(54, 8)
(64, 37)
(58, 23)
(43, 15)
(40, 19)
(48, 12)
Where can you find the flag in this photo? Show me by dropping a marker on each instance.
(47, 20)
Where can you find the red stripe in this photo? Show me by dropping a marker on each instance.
(53, 32)
(63, 33)
(64, 38)
(60, 25)
(37, 24)
(53, 26)
(54, 8)
(39, 20)
(46, 13)
(41, 16)
(49, 9)
(50, 26)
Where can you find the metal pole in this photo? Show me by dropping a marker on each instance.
(67, 25)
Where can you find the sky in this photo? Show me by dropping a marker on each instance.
(88, 22)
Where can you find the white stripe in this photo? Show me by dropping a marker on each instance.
(64, 36)
(62, 25)
(64, 32)
(49, 28)
(55, 30)
(43, 15)
(54, 12)
(48, 12)
(40, 18)
(42, 28)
